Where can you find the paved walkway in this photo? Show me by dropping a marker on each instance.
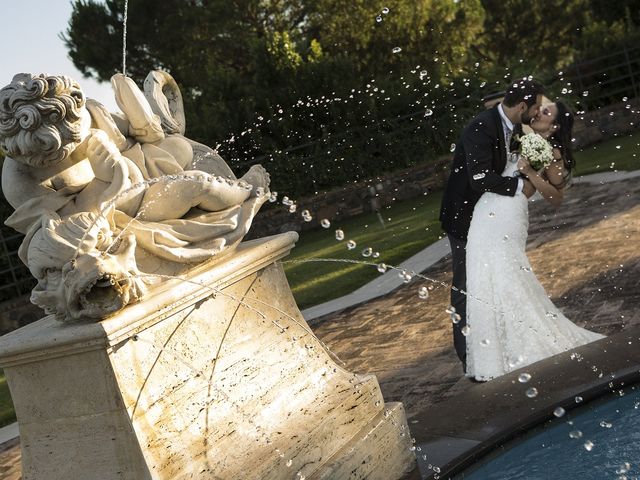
(585, 253)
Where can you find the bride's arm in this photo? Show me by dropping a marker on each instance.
(549, 182)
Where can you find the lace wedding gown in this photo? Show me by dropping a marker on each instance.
(512, 322)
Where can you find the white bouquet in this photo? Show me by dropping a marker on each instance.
(537, 150)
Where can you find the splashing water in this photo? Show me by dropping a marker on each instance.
(124, 37)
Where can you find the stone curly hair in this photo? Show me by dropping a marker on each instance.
(39, 118)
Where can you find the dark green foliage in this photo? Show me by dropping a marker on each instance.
(312, 88)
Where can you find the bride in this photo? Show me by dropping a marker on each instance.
(512, 322)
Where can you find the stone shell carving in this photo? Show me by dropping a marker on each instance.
(112, 204)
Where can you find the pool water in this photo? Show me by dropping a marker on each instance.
(560, 448)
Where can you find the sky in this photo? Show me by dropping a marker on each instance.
(31, 44)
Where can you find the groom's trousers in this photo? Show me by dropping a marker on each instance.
(459, 299)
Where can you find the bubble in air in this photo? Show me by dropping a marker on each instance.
(382, 267)
(396, 50)
(339, 235)
(455, 318)
(575, 434)
(351, 244)
(524, 377)
(578, 399)
(375, 254)
(485, 342)
(325, 223)
(385, 10)
(465, 330)
(289, 462)
(306, 216)
(605, 424)
(367, 252)
(452, 148)
(428, 112)
(423, 293)
(379, 18)
(292, 208)
(273, 196)
(588, 445)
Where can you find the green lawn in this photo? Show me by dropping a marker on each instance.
(409, 227)
(622, 153)
(7, 415)
(413, 225)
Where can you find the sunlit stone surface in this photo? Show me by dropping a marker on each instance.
(215, 377)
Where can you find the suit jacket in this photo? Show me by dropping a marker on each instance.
(478, 162)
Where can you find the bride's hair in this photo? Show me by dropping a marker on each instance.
(561, 137)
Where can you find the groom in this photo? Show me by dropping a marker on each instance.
(479, 159)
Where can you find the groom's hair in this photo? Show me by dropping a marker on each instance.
(523, 90)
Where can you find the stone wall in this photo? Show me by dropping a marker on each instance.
(367, 196)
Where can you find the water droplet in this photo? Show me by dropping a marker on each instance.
(273, 196)
(385, 10)
(465, 330)
(524, 377)
(428, 112)
(605, 424)
(588, 445)
(564, 91)
(292, 208)
(585, 93)
(423, 293)
(339, 235)
(492, 214)
(325, 223)
(375, 254)
(289, 462)
(382, 267)
(367, 252)
(559, 412)
(450, 309)
(455, 318)
(505, 238)
(479, 176)
(351, 244)
(379, 18)
(485, 342)
(551, 315)
(575, 434)
(532, 392)
(578, 399)
(516, 361)
(405, 276)
(396, 50)
(286, 201)
(452, 148)
(306, 216)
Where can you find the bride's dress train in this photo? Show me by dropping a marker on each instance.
(512, 322)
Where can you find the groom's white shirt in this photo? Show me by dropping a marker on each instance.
(507, 126)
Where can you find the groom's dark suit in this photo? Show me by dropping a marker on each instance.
(480, 158)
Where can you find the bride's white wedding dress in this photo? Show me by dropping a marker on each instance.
(512, 322)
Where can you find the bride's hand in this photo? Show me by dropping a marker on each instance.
(524, 166)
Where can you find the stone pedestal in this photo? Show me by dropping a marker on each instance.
(213, 377)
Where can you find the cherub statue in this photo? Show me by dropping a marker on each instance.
(91, 188)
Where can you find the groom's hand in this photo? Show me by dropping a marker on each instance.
(528, 189)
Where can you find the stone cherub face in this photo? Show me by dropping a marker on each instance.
(42, 119)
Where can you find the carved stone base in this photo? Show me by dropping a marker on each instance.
(216, 377)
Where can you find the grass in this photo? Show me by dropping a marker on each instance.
(621, 153)
(410, 226)
(7, 414)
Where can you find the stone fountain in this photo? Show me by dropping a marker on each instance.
(172, 349)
